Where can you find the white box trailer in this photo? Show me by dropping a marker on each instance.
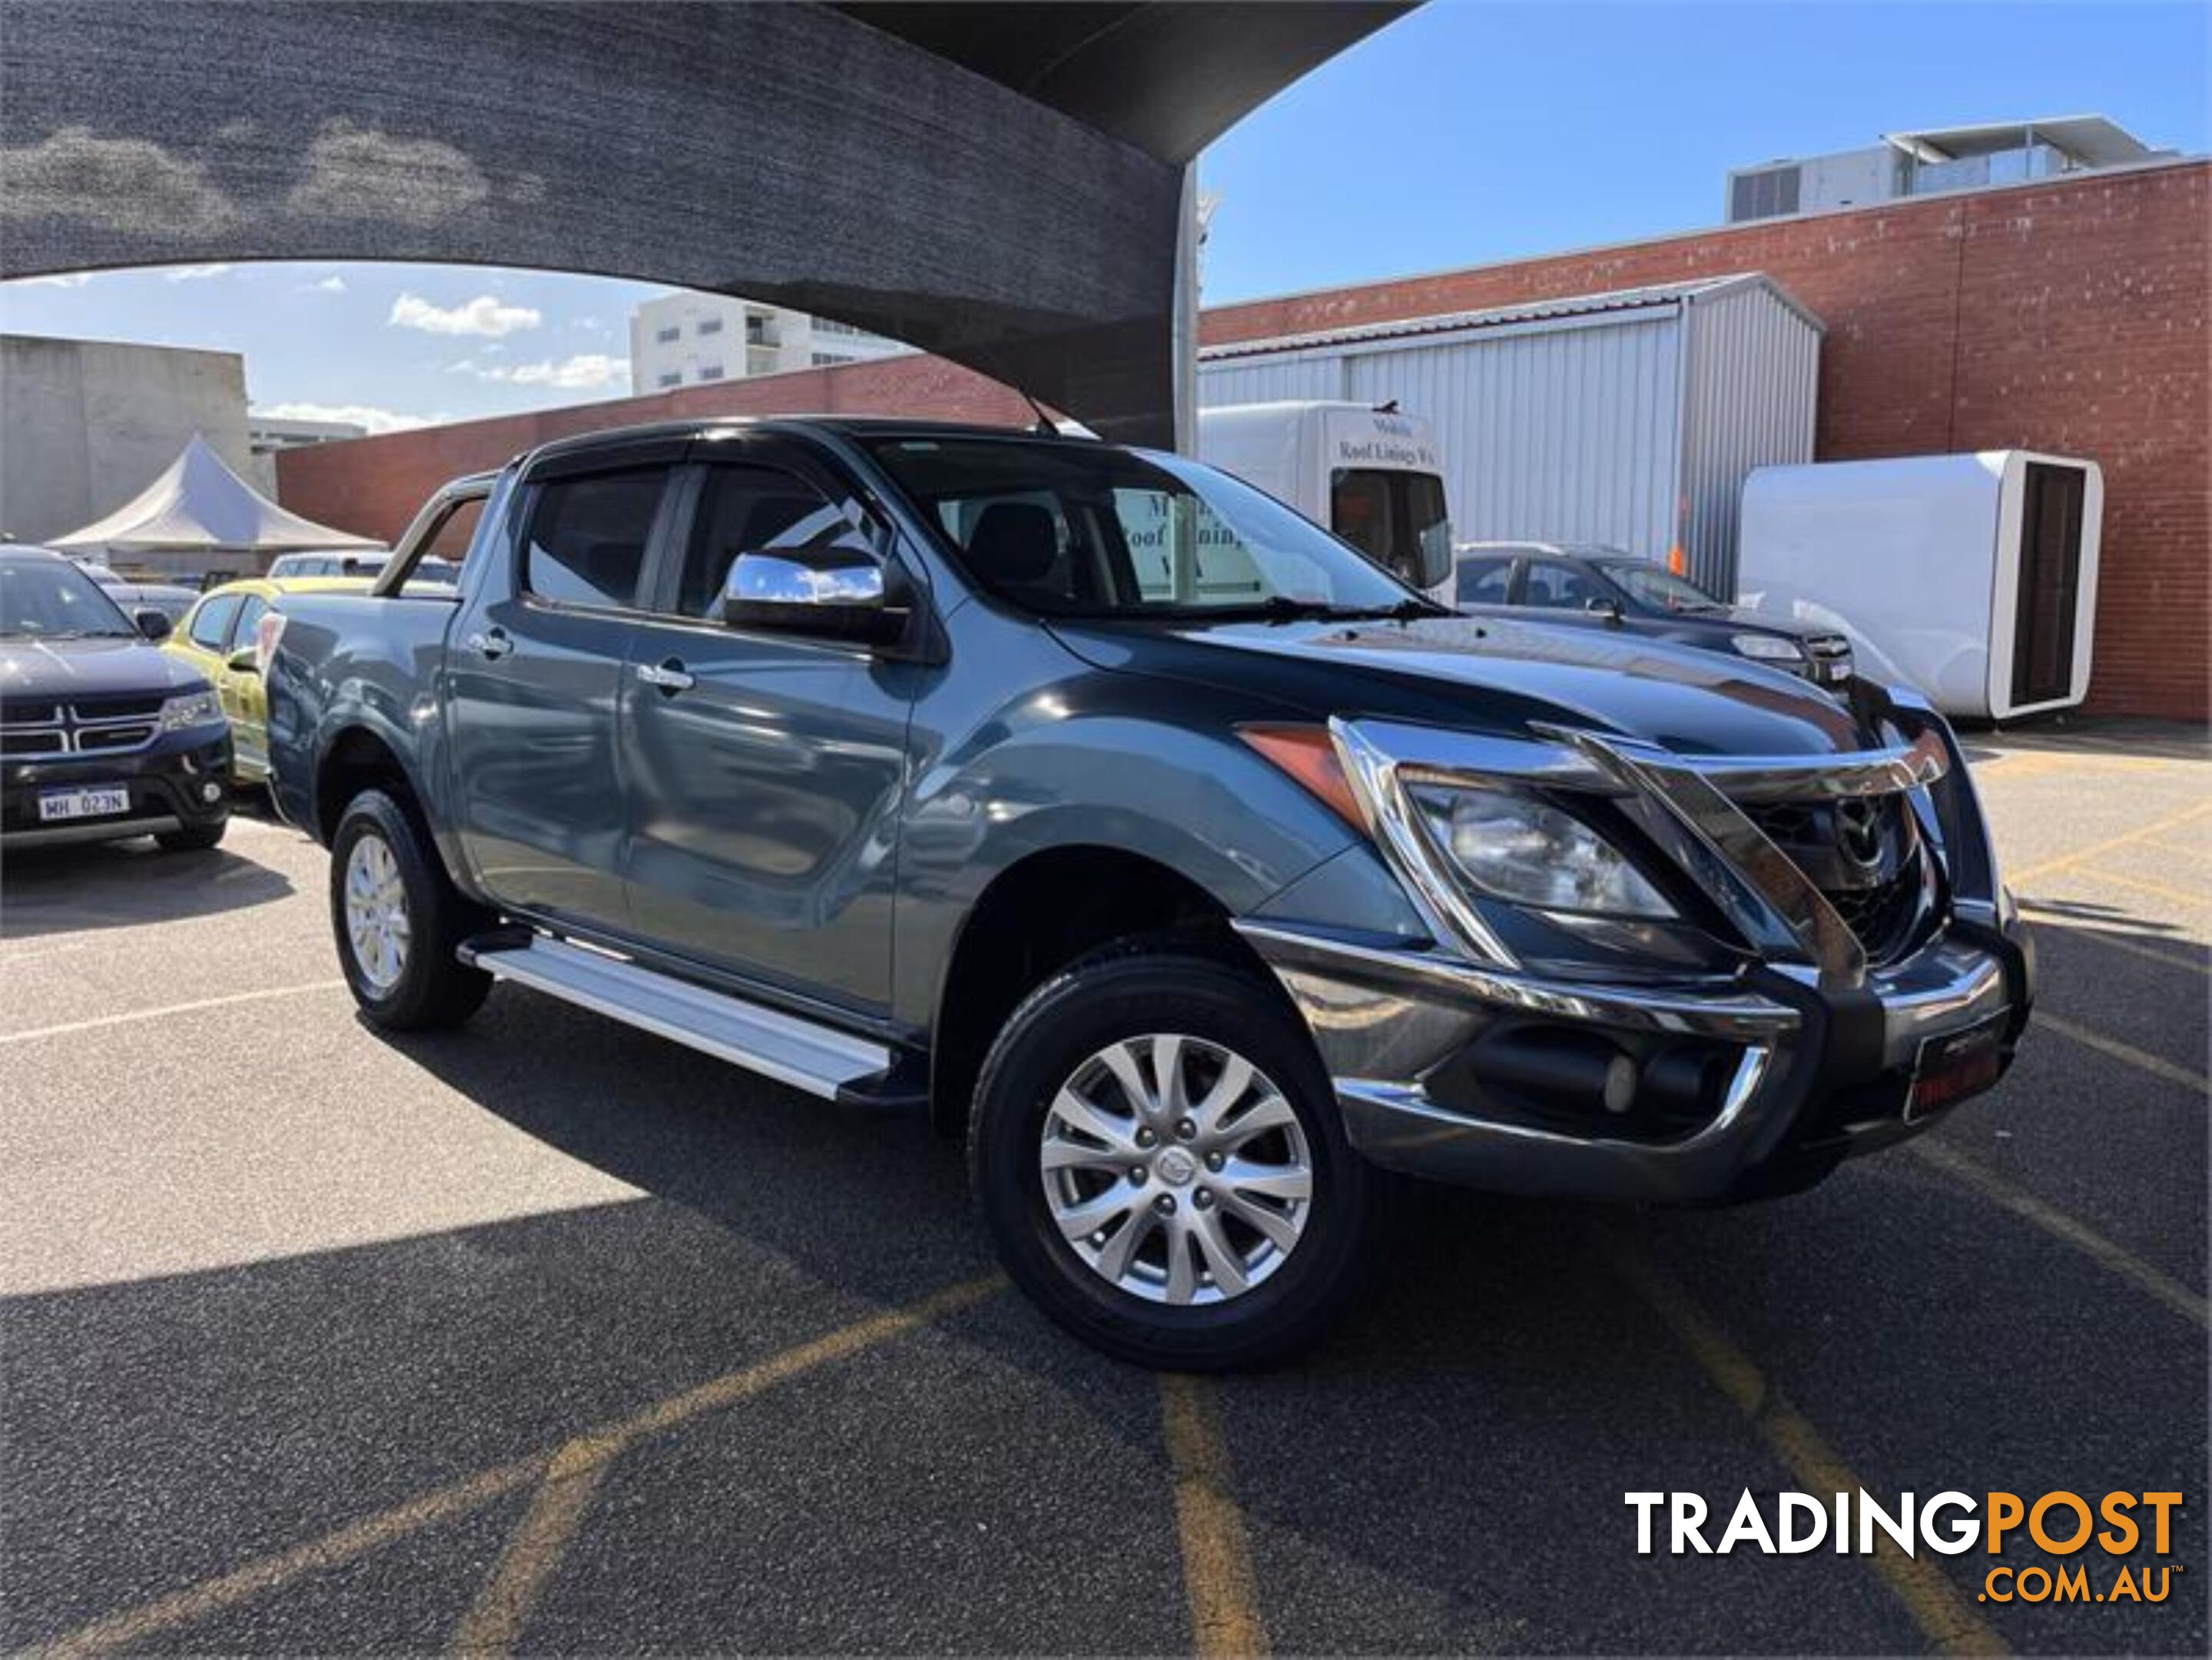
(1976, 575)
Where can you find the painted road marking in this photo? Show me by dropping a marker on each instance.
(102, 1022)
(2097, 849)
(1217, 1556)
(534, 1551)
(1937, 1606)
(2128, 1052)
(2159, 889)
(131, 1627)
(2052, 1220)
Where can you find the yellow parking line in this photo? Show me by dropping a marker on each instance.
(132, 1626)
(1217, 1557)
(2095, 849)
(101, 1022)
(534, 1551)
(2141, 1059)
(1937, 1606)
(2052, 1220)
(463, 1497)
(2164, 891)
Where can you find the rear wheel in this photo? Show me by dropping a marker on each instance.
(400, 919)
(1159, 1159)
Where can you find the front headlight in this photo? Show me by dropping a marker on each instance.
(1767, 647)
(1529, 854)
(194, 708)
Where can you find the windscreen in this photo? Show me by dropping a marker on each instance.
(1655, 586)
(43, 600)
(1065, 529)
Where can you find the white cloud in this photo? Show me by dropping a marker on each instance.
(587, 371)
(360, 414)
(67, 279)
(193, 273)
(484, 315)
(330, 285)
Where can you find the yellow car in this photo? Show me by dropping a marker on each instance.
(217, 637)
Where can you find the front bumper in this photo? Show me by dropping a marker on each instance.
(1781, 1079)
(1786, 1042)
(169, 781)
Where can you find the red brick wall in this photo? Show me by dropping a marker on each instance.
(2069, 316)
(374, 485)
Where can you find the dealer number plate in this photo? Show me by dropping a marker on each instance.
(1956, 1064)
(59, 807)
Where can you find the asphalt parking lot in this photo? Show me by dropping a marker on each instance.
(548, 1335)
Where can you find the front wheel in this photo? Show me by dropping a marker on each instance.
(1158, 1156)
(191, 838)
(399, 919)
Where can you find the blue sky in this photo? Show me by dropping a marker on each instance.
(1464, 133)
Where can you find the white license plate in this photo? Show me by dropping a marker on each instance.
(57, 806)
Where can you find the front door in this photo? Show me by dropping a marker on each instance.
(765, 771)
(534, 668)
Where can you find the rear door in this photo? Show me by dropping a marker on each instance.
(2049, 584)
(765, 769)
(534, 682)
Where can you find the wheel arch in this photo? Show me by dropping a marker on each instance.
(1037, 915)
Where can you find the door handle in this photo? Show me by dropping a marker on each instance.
(671, 676)
(492, 643)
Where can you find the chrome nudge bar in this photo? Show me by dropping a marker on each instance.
(1692, 806)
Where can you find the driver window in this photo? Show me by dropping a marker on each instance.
(752, 509)
(1562, 586)
(212, 623)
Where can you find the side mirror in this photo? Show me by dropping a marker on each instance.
(244, 660)
(842, 592)
(154, 625)
(1608, 609)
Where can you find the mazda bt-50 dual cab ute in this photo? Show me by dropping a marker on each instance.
(1184, 860)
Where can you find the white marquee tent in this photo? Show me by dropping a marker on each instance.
(199, 516)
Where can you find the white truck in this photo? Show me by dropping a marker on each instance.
(1373, 475)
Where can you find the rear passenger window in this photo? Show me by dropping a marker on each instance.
(750, 509)
(587, 536)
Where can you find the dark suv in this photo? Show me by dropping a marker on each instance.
(1597, 587)
(1175, 855)
(102, 735)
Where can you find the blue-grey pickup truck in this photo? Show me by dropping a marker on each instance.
(1182, 859)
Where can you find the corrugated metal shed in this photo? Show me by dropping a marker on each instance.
(1631, 417)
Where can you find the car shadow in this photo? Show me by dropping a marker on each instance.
(113, 884)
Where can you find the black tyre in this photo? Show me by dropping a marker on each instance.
(1159, 1159)
(193, 838)
(398, 918)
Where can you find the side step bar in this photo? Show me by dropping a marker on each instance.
(806, 1055)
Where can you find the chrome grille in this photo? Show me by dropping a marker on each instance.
(107, 726)
(1862, 853)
